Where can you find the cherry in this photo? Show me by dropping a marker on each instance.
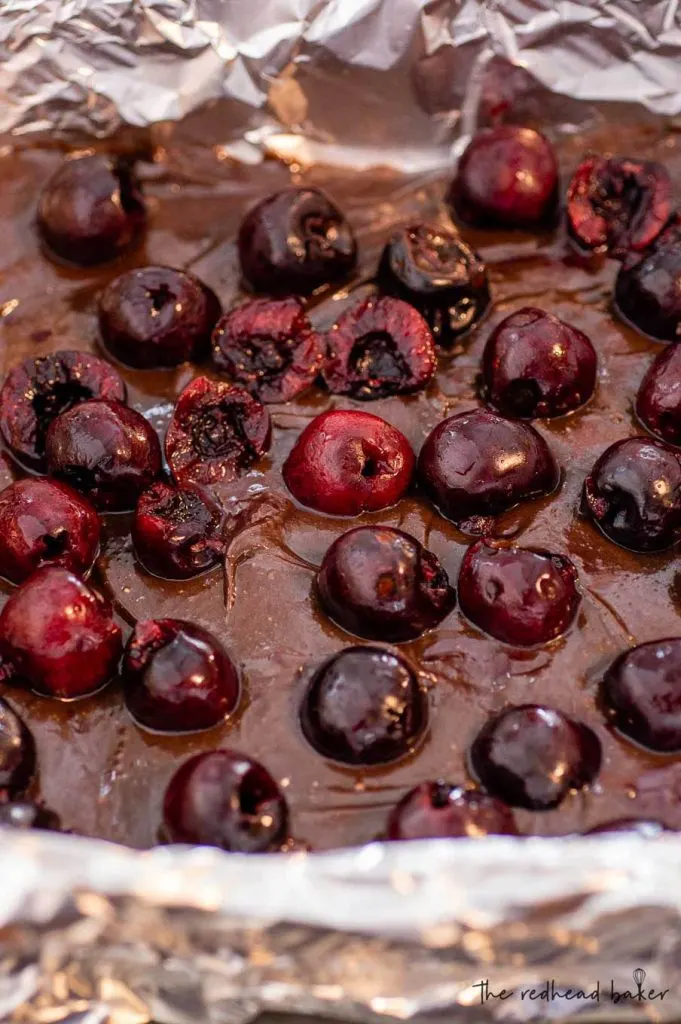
(537, 365)
(217, 432)
(176, 532)
(17, 753)
(439, 810)
(178, 677)
(477, 463)
(91, 209)
(157, 316)
(345, 463)
(295, 241)
(519, 596)
(634, 494)
(269, 348)
(224, 799)
(645, 827)
(106, 450)
(26, 814)
(40, 388)
(658, 403)
(378, 348)
(43, 522)
(648, 292)
(59, 635)
(642, 694)
(440, 275)
(532, 756)
(365, 705)
(507, 177)
(381, 584)
(618, 204)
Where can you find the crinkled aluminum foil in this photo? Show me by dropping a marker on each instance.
(96, 934)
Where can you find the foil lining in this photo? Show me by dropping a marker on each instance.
(91, 933)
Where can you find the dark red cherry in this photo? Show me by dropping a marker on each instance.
(435, 271)
(177, 532)
(26, 814)
(178, 677)
(295, 241)
(634, 494)
(17, 753)
(91, 209)
(381, 584)
(532, 756)
(345, 463)
(439, 810)
(380, 347)
(216, 433)
(365, 705)
(106, 450)
(537, 365)
(517, 595)
(224, 799)
(506, 177)
(645, 827)
(477, 464)
(642, 694)
(39, 389)
(619, 204)
(43, 522)
(658, 403)
(269, 348)
(59, 636)
(648, 293)
(157, 316)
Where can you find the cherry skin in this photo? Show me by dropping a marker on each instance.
(106, 450)
(532, 756)
(345, 463)
(438, 810)
(43, 522)
(380, 583)
(648, 292)
(642, 695)
(633, 494)
(519, 596)
(364, 706)
(478, 464)
(177, 532)
(58, 635)
(506, 177)
(224, 799)
(537, 365)
(17, 753)
(27, 814)
(177, 677)
(658, 403)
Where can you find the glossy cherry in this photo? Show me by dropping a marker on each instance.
(43, 522)
(39, 389)
(268, 347)
(506, 177)
(294, 241)
(439, 810)
(380, 583)
(658, 403)
(157, 316)
(478, 464)
(59, 636)
(178, 677)
(381, 347)
(633, 494)
(532, 756)
(345, 463)
(617, 205)
(648, 292)
(517, 595)
(17, 753)
(224, 799)
(106, 450)
(642, 694)
(27, 814)
(177, 532)
(364, 705)
(91, 209)
(537, 365)
(434, 270)
(216, 433)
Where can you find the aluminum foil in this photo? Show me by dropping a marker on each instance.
(495, 930)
